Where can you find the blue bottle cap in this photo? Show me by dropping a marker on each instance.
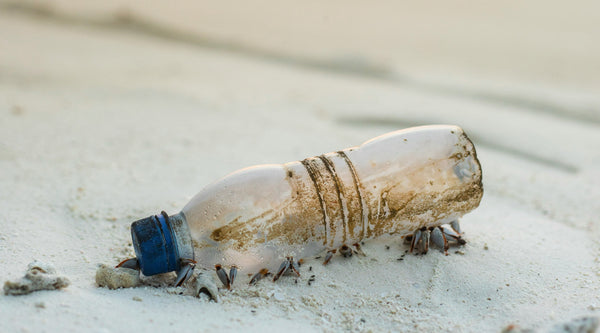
(154, 245)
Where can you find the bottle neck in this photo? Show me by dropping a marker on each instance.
(181, 235)
(160, 242)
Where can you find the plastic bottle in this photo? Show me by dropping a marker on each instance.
(396, 183)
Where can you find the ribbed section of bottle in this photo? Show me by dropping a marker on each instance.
(337, 187)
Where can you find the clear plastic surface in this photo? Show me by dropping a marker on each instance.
(393, 184)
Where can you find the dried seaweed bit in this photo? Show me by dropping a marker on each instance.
(39, 276)
(114, 278)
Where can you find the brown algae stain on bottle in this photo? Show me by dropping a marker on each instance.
(331, 204)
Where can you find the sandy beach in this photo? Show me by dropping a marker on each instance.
(104, 123)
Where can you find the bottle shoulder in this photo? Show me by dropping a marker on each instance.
(253, 188)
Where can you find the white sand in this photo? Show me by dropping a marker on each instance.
(99, 128)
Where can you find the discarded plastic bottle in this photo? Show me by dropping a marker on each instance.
(396, 183)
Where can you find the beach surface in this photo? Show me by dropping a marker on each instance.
(106, 119)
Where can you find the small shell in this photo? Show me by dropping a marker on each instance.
(206, 285)
(114, 278)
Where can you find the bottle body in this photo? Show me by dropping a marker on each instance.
(394, 184)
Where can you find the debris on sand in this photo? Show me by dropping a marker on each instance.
(114, 278)
(39, 276)
(579, 325)
(205, 286)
